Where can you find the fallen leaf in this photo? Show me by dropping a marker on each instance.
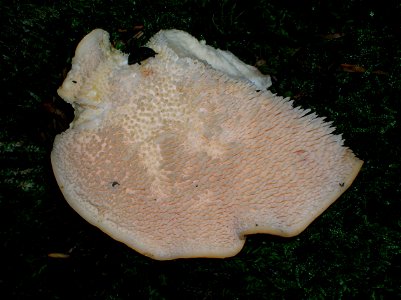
(58, 255)
(352, 68)
(332, 36)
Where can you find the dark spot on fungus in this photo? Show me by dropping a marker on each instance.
(341, 184)
(74, 81)
(114, 183)
(137, 55)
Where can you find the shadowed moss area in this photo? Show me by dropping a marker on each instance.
(340, 58)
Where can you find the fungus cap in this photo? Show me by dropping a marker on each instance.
(182, 155)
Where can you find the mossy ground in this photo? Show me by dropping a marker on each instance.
(309, 48)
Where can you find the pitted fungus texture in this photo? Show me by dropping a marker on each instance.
(177, 158)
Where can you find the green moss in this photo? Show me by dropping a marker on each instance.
(352, 250)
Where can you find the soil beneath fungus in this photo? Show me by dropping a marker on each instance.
(341, 59)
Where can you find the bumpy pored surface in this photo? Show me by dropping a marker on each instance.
(177, 159)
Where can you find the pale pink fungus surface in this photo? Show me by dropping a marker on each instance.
(182, 155)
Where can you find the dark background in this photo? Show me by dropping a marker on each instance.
(340, 58)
